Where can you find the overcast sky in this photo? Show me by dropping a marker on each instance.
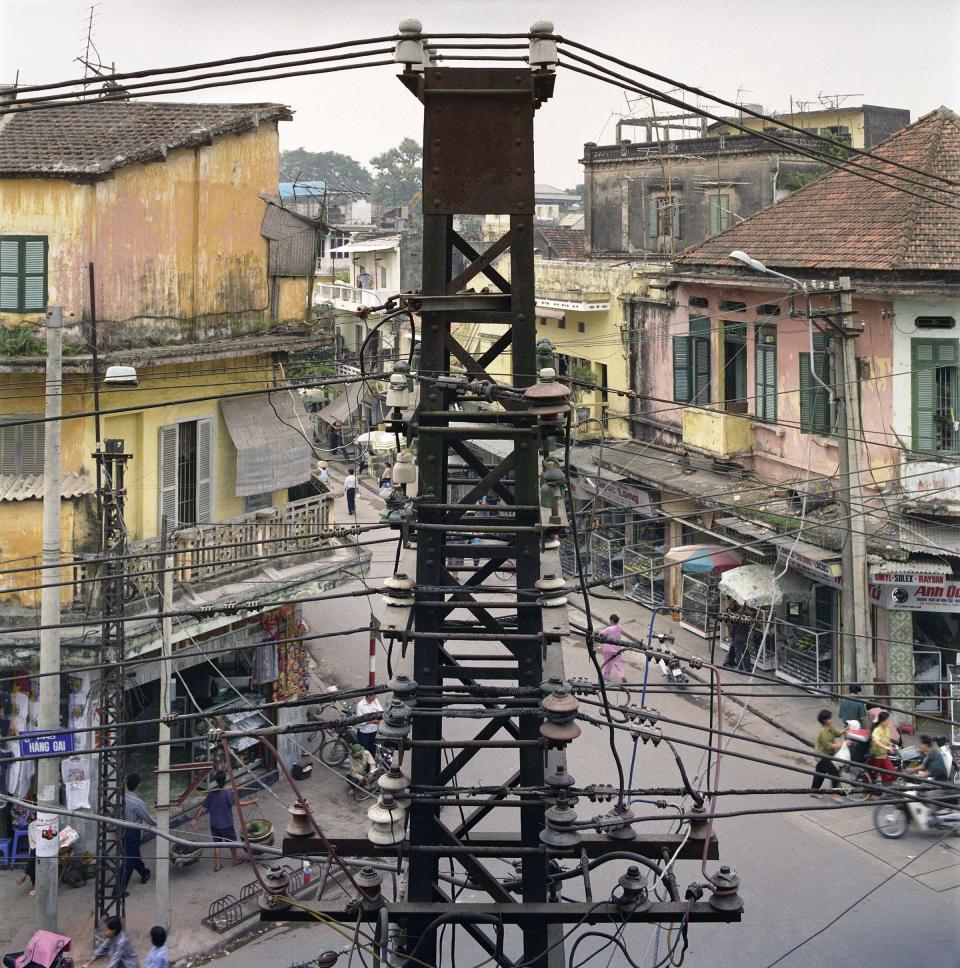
(887, 52)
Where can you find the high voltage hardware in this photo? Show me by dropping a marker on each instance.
(478, 159)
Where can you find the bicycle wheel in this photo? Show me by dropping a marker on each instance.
(891, 820)
(855, 791)
(334, 751)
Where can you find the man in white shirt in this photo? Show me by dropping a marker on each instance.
(367, 732)
(350, 487)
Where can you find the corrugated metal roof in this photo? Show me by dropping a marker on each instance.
(29, 487)
(915, 566)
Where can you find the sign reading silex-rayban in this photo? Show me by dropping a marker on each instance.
(915, 593)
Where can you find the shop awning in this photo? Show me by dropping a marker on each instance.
(272, 434)
(900, 571)
(760, 586)
(703, 559)
(344, 405)
(820, 564)
(370, 245)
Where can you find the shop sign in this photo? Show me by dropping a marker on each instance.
(579, 305)
(826, 572)
(906, 591)
(48, 745)
(48, 834)
(618, 493)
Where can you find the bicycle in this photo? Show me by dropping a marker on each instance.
(330, 742)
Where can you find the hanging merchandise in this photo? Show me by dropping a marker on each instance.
(75, 771)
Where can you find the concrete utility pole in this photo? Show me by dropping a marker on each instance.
(48, 769)
(163, 758)
(857, 642)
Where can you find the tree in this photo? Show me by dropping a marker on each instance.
(397, 176)
(331, 167)
(576, 190)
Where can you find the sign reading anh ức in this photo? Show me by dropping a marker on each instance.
(907, 591)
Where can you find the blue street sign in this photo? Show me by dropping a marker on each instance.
(33, 745)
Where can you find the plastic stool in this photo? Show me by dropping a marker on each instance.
(20, 836)
(5, 851)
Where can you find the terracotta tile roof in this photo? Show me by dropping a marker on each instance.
(843, 221)
(561, 242)
(95, 138)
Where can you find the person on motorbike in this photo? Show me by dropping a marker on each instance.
(361, 765)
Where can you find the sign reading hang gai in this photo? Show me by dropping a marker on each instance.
(907, 591)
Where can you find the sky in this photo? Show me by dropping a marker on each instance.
(885, 52)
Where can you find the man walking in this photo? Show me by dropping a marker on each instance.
(739, 624)
(826, 748)
(116, 946)
(134, 811)
(367, 732)
(853, 707)
(336, 438)
(610, 637)
(350, 488)
(219, 804)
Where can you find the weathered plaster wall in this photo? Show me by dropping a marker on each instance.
(173, 241)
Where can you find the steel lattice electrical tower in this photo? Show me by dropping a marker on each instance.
(478, 160)
(113, 545)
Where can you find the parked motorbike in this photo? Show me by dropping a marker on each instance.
(951, 759)
(45, 949)
(672, 669)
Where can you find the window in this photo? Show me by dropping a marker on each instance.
(186, 472)
(691, 363)
(663, 216)
(734, 367)
(21, 447)
(768, 309)
(581, 327)
(765, 372)
(935, 322)
(732, 306)
(23, 273)
(935, 387)
(562, 323)
(816, 414)
(698, 302)
(257, 502)
(719, 213)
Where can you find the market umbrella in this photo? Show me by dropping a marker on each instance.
(759, 586)
(703, 559)
(378, 441)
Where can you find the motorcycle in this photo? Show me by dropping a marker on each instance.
(893, 819)
(45, 949)
(670, 665)
(951, 760)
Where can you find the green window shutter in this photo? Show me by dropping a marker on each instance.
(765, 369)
(31, 448)
(681, 369)
(816, 416)
(10, 274)
(34, 274)
(934, 401)
(806, 395)
(700, 351)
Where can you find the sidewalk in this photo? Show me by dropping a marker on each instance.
(793, 710)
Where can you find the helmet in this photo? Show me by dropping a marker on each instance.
(356, 749)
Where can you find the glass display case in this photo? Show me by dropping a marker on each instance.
(606, 555)
(700, 602)
(568, 557)
(645, 575)
(804, 655)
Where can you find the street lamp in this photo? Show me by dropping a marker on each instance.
(758, 266)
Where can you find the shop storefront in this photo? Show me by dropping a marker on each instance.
(692, 583)
(928, 591)
(763, 594)
(619, 529)
(806, 633)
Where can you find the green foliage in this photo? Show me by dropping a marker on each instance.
(576, 190)
(337, 170)
(21, 340)
(397, 176)
(471, 227)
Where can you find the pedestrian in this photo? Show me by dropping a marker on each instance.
(386, 478)
(852, 707)
(826, 748)
(116, 946)
(739, 625)
(336, 437)
(31, 869)
(157, 956)
(361, 764)
(367, 732)
(881, 745)
(610, 637)
(364, 279)
(350, 488)
(219, 804)
(134, 811)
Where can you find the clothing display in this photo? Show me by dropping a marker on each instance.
(75, 771)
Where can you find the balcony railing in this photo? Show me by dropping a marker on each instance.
(717, 431)
(344, 296)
